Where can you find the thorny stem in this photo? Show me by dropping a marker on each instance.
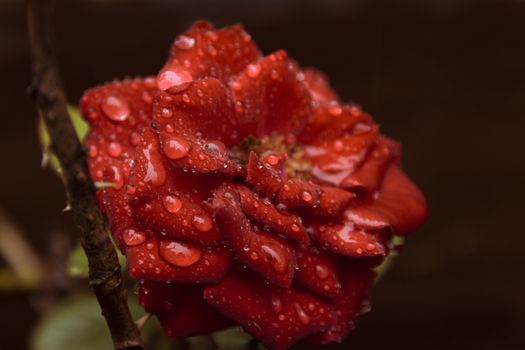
(104, 270)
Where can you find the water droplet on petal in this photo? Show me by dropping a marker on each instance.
(276, 303)
(370, 246)
(115, 108)
(92, 151)
(277, 261)
(253, 70)
(172, 203)
(166, 112)
(321, 271)
(179, 254)
(202, 222)
(272, 159)
(114, 149)
(133, 237)
(306, 196)
(303, 317)
(174, 79)
(175, 147)
(184, 42)
(335, 110)
(236, 86)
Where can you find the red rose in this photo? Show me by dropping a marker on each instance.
(242, 191)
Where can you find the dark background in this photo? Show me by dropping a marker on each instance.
(446, 78)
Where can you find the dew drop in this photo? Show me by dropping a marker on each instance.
(133, 237)
(254, 256)
(179, 254)
(253, 70)
(321, 271)
(175, 147)
(335, 110)
(338, 145)
(278, 262)
(306, 196)
(295, 228)
(202, 222)
(114, 149)
(272, 159)
(303, 316)
(236, 86)
(276, 303)
(116, 108)
(172, 204)
(211, 35)
(184, 42)
(166, 112)
(370, 246)
(174, 79)
(92, 151)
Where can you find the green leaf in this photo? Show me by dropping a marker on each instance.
(74, 324)
(77, 323)
(383, 268)
(81, 129)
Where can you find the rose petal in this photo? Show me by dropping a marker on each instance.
(331, 121)
(208, 52)
(264, 212)
(335, 159)
(117, 112)
(356, 280)
(206, 107)
(371, 172)
(147, 261)
(269, 98)
(347, 240)
(181, 309)
(319, 87)
(264, 252)
(277, 317)
(400, 204)
(318, 272)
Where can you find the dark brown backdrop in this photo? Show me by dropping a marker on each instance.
(445, 77)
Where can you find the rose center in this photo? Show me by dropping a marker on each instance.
(296, 164)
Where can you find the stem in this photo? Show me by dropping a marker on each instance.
(104, 270)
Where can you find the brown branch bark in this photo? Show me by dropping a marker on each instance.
(104, 269)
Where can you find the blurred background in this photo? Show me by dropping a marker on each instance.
(445, 77)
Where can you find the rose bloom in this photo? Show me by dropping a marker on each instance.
(244, 192)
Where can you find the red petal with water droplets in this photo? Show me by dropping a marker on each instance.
(370, 174)
(265, 213)
(209, 52)
(334, 160)
(329, 122)
(319, 87)
(152, 261)
(356, 280)
(318, 272)
(399, 205)
(183, 201)
(206, 107)
(268, 90)
(264, 252)
(181, 309)
(117, 112)
(347, 240)
(277, 317)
